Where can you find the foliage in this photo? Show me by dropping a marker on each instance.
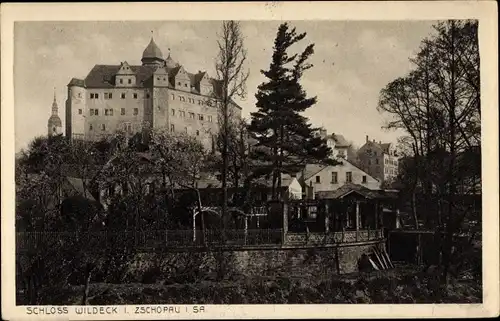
(285, 141)
(438, 106)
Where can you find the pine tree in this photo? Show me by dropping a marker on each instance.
(285, 141)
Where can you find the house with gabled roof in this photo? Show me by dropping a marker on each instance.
(328, 178)
(379, 159)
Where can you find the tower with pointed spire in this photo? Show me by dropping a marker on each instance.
(152, 55)
(54, 125)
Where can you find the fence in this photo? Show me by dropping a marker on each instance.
(162, 239)
(334, 237)
(147, 239)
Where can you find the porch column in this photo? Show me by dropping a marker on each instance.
(357, 219)
(194, 225)
(327, 218)
(285, 223)
(246, 228)
(376, 215)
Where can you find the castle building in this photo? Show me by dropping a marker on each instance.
(54, 125)
(159, 93)
(379, 160)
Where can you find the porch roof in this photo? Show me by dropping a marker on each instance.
(365, 192)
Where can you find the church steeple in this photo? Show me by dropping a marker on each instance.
(54, 125)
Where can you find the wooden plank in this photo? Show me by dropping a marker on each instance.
(374, 265)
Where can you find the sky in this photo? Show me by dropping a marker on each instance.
(353, 61)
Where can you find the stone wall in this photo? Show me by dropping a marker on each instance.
(310, 261)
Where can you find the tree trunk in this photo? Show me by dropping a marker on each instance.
(86, 289)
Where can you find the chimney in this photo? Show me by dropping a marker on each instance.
(380, 142)
(367, 138)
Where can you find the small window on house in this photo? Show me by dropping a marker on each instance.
(318, 179)
(173, 112)
(121, 81)
(136, 111)
(348, 177)
(103, 127)
(123, 111)
(164, 78)
(185, 130)
(172, 127)
(185, 85)
(91, 96)
(179, 83)
(123, 95)
(96, 112)
(135, 95)
(96, 96)
(191, 115)
(173, 97)
(376, 161)
(111, 112)
(197, 133)
(91, 112)
(79, 95)
(157, 78)
(90, 127)
(80, 111)
(130, 81)
(147, 96)
(334, 178)
(364, 178)
(106, 112)
(182, 98)
(200, 116)
(209, 118)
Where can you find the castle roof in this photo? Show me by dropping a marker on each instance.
(152, 51)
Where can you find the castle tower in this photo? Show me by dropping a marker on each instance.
(152, 55)
(54, 125)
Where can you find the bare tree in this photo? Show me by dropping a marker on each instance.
(231, 77)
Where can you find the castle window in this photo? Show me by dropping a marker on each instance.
(136, 111)
(209, 118)
(348, 177)
(197, 133)
(334, 178)
(364, 179)
(130, 81)
(135, 95)
(191, 115)
(121, 81)
(173, 112)
(172, 128)
(103, 127)
(123, 95)
(123, 111)
(80, 111)
(90, 127)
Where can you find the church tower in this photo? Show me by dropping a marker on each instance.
(54, 125)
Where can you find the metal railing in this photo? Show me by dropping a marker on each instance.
(147, 239)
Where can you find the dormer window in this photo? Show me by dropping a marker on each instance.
(121, 81)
